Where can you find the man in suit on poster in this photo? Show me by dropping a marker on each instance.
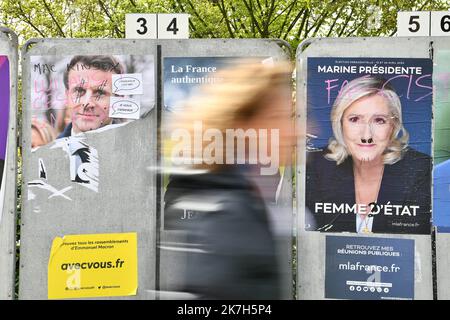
(88, 83)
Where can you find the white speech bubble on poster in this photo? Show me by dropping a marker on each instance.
(127, 83)
(124, 108)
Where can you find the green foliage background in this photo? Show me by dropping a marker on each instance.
(290, 20)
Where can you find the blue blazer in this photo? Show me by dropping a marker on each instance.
(406, 183)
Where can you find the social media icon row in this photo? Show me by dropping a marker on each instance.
(371, 289)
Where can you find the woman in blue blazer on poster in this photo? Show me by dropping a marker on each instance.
(368, 179)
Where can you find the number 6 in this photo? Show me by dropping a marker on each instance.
(445, 23)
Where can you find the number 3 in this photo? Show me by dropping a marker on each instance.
(143, 26)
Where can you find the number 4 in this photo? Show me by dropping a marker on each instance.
(173, 26)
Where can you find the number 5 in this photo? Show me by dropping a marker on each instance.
(415, 23)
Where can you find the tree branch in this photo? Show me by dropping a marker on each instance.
(356, 28)
(252, 16)
(283, 24)
(423, 5)
(105, 10)
(225, 16)
(319, 24)
(238, 20)
(191, 24)
(259, 5)
(302, 25)
(53, 18)
(294, 22)
(318, 20)
(269, 15)
(335, 21)
(198, 17)
(27, 20)
(345, 23)
(393, 32)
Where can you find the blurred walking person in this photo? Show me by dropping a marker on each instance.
(245, 122)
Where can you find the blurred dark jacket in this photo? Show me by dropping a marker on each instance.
(229, 223)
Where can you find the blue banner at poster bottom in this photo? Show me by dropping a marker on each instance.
(369, 268)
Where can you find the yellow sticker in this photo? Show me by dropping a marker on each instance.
(93, 265)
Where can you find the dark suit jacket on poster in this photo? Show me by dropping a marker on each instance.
(405, 183)
(67, 132)
(83, 153)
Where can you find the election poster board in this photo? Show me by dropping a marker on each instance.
(176, 227)
(4, 123)
(184, 79)
(441, 170)
(368, 150)
(363, 268)
(90, 175)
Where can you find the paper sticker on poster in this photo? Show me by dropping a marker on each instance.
(129, 83)
(368, 166)
(93, 265)
(369, 268)
(124, 108)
